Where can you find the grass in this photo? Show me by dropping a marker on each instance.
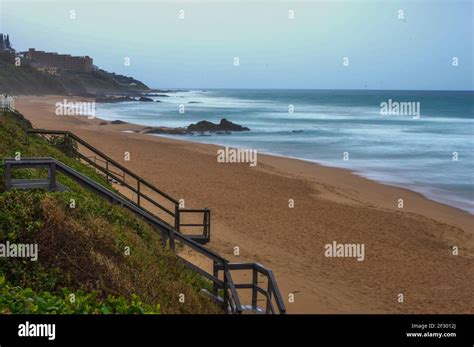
(110, 260)
(25, 79)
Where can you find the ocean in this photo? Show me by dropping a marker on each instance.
(428, 148)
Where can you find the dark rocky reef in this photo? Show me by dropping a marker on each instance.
(114, 122)
(165, 130)
(118, 122)
(143, 98)
(161, 91)
(224, 127)
(160, 95)
(113, 99)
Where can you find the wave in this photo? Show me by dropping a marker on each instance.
(411, 153)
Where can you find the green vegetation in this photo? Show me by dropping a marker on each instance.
(84, 250)
(26, 301)
(99, 82)
(25, 79)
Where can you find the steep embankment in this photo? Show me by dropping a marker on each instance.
(24, 80)
(100, 82)
(93, 257)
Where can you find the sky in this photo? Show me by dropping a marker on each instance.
(385, 48)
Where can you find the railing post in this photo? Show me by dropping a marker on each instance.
(269, 298)
(204, 223)
(208, 236)
(172, 239)
(254, 288)
(176, 217)
(107, 170)
(52, 177)
(215, 273)
(163, 239)
(226, 298)
(8, 176)
(27, 138)
(138, 194)
(66, 143)
(70, 148)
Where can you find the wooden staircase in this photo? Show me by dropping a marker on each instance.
(137, 190)
(225, 291)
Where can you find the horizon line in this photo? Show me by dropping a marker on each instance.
(318, 89)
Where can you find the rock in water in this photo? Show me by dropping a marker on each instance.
(224, 125)
(142, 98)
(113, 99)
(202, 128)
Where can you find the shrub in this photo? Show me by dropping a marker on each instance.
(81, 249)
(27, 301)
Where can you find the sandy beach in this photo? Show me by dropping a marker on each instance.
(407, 251)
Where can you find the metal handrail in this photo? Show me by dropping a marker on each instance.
(206, 232)
(272, 290)
(125, 184)
(166, 229)
(98, 152)
(206, 223)
(234, 303)
(231, 298)
(94, 159)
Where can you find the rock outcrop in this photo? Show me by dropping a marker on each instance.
(143, 98)
(224, 127)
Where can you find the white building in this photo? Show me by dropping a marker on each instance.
(7, 102)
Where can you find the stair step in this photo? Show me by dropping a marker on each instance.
(253, 309)
(34, 184)
(245, 308)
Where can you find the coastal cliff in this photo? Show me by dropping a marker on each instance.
(25, 79)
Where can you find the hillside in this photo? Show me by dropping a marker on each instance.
(24, 80)
(100, 82)
(81, 250)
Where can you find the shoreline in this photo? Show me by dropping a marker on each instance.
(331, 204)
(322, 165)
(316, 162)
(445, 190)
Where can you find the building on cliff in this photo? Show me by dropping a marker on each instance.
(47, 60)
